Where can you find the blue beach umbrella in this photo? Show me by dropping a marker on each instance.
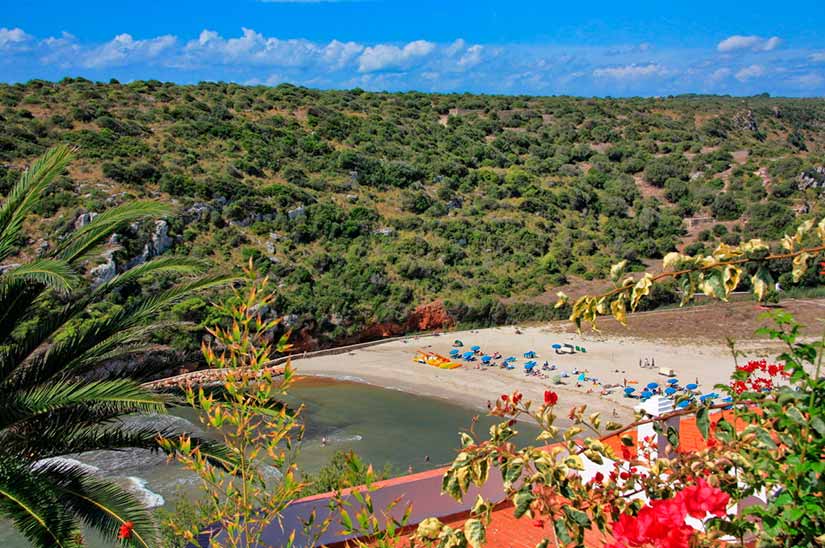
(629, 390)
(556, 346)
(486, 359)
(582, 377)
(692, 386)
(530, 354)
(510, 359)
(670, 391)
(454, 352)
(683, 404)
(475, 348)
(652, 385)
(467, 355)
(531, 363)
(673, 381)
(645, 395)
(705, 397)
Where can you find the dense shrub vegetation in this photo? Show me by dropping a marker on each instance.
(364, 205)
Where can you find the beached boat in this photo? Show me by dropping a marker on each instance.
(436, 360)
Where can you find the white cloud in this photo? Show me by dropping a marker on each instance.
(10, 38)
(737, 42)
(630, 72)
(810, 80)
(124, 50)
(720, 74)
(253, 48)
(383, 56)
(750, 72)
(471, 57)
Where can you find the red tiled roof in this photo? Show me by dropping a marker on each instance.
(504, 531)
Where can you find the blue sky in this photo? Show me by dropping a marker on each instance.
(513, 47)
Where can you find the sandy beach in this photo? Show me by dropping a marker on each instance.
(612, 361)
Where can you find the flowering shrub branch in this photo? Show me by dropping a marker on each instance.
(716, 275)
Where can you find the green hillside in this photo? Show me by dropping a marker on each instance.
(362, 206)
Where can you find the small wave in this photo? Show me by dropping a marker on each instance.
(148, 497)
(66, 461)
(350, 378)
(344, 438)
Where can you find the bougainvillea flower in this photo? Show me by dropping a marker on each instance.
(550, 397)
(702, 498)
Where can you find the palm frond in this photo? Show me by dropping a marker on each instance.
(124, 327)
(26, 194)
(101, 504)
(180, 265)
(51, 273)
(27, 498)
(124, 394)
(83, 241)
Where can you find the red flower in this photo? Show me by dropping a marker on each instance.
(626, 453)
(125, 531)
(538, 523)
(505, 397)
(550, 397)
(702, 498)
(516, 397)
(662, 524)
(598, 477)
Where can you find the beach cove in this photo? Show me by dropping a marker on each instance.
(612, 361)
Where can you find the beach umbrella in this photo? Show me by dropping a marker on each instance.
(583, 350)
(454, 352)
(467, 355)
(510, 359)
(670, 391)
(645, 395)
(673, 381)
(556, 346)
(692, 386)
(475, 348)
(529, 367)
(531, 363)
(629, 390)
(706, 397)
(486, 359)
(582, 377)
(683, 404)
(530, 354)
(458, 342)
(652, 385)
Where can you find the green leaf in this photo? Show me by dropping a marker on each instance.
(522, 501)
(475, 533)
(672, 437)
(703, 422)
(577, 516)
(818, 424)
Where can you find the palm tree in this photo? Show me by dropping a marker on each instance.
(55, 399)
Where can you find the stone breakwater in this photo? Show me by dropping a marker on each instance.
(204, 377)
(214, 377)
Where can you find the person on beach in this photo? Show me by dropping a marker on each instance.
(323, 441)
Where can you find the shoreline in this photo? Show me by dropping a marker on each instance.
(390, 365)
(612, 360)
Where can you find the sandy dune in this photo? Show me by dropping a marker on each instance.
(390, 365)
